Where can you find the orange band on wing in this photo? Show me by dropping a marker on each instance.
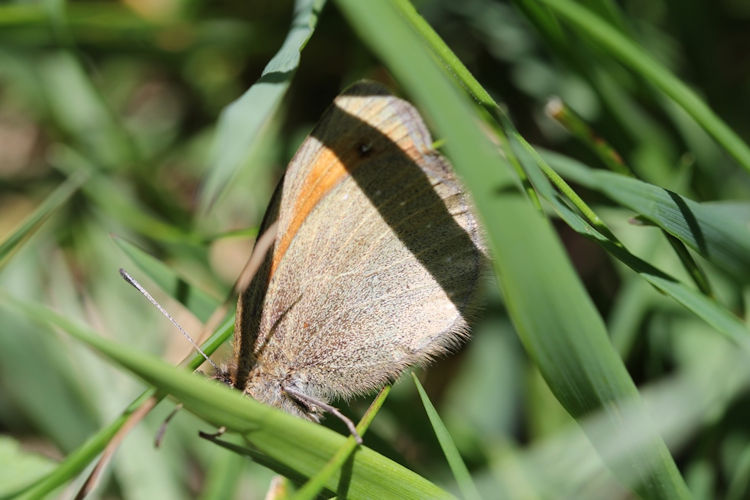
(327, 171)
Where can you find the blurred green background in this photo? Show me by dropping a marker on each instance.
(132, 91)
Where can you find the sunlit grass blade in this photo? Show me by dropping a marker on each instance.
(453, 68)
(34, 221)
(627, 52)
(563, 464)
(456, 463)
(580, 129)
(296, 443)
(713, 233)
(75, 462)
(705, 307)
(551, 311)
(444, 54)
(193, 298)
(241, 121)
(317, 483)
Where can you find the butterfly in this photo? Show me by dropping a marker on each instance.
(373, 267)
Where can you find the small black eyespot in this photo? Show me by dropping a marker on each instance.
(364, 149)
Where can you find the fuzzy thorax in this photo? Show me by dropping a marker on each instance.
(269, 387)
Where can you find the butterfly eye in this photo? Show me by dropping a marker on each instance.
(364, 149)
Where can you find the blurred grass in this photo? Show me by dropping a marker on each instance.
(131, 94)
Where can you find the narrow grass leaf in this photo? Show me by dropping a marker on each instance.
(317, 483)
(81, 112)
(19, 467)
(615, 43)
(241, 121)
(74, 463)
(551, 311)
(34, 221)
(701, 305)
(223, 476)
(110, 197)
(456, 463)
(296, 443)
(709, 229)
(706, 308)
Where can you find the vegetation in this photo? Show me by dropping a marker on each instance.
(604, 145)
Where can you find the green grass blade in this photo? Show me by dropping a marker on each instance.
(699, 277)
(34, 221)
(296, 443)
(445, 55)
(18, 467)
(241, 122)
(456, 463)
(553, 315)
(712, 232)
(107, 194)
(317, 483)
(223, 477)
(627, 52)
(82, 113)
(75, 462)
(705, 307)
(192, 297)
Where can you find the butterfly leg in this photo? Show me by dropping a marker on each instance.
(306, 401)
(219, 432)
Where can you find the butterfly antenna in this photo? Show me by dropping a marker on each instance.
(153, 301)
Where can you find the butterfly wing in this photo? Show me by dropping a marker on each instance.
(377, 255)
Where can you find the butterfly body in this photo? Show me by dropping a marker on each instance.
(374, 266)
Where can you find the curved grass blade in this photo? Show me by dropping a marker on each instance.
(297, 444)
(74, 463)
(34, 221)
(709, 229)
(200, 304)
(559, 464)
(627, 52)
(551, 311)
(703, 306)
(317, 483)
(241, 121)
(456, 463)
